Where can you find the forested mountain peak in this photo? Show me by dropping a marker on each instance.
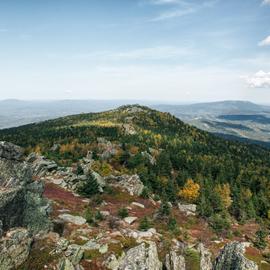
(157, 156)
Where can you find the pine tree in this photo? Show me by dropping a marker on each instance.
(89, 188)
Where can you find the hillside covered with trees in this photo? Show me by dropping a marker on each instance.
(227, 180)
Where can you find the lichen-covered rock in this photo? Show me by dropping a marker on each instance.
(10, 151)
(175, 261)
(77, 220)
(232, 257)
(21, 202)
(65, 264)
(74, 253)
(144, 256)
(188, 209)
(205, 258)
(14, 248)
(130, 183)
(40, 165)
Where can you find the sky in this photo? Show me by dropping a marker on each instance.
(166, 50)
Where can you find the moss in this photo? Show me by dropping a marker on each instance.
(91, 254)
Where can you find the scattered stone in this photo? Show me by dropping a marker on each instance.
(65, 264)
(188, 209)
(61, 245)
(103, 249)
(105, 213)
(75, 253)
(131, 183)
(77, 220)
(130, 220)
(138, 204)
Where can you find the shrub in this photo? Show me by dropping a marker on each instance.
(123, 213)
(145, 193)
(172, 225)
(89, 188)
(99, 216)
(190, 191)
(144, 224)
(219, 223)
(260, 241)
(89, 216)
(79, 170)
(164, 210)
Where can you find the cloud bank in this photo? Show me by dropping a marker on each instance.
(261, 79)
(265, 42)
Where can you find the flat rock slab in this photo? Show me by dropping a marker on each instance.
(130, 220)
(77, 220)
(138, 204)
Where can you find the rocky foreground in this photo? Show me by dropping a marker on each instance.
(61, 234)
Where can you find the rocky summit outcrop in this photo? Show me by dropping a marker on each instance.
(21, 202)
(23, 211)
(232, 257)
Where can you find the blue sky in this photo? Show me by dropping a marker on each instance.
(168, 50)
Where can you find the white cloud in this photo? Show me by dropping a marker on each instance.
(151, 53)
(164, 2)
(266, 2)
(182, 8)
(265, 42)
(173, 14)
(260, 79)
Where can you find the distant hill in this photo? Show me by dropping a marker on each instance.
(239, 119)
(235, 119)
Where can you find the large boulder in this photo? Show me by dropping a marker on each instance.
(130, 183)
(144, 256)
(188, 209)
(21, 201)
(14, 248)
(232, 257)
(10, 151)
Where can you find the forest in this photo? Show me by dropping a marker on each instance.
(226, 179)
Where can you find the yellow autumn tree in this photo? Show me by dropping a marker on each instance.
(224, 192)
(190, 192)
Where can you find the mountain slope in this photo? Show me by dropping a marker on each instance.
(179, 150)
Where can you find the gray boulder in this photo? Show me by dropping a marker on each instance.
(14, 248)
(188, 209)
(144, 256)
(10, 151)
(130, 183)
(205, 258)
(21, 201)
(175, 261)
(232, 257)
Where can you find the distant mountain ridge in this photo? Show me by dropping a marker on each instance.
(236, 119)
